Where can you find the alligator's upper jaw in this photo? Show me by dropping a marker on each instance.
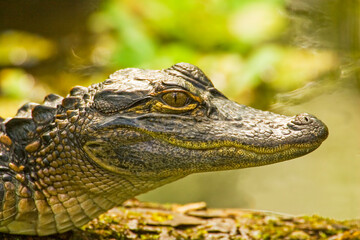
(268, 132)
(250, 129)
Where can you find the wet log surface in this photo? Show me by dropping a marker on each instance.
(138, 220)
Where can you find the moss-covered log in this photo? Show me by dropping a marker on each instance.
(137, 220)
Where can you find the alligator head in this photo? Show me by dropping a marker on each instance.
(173, 122)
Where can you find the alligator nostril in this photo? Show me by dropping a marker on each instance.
(303, 119)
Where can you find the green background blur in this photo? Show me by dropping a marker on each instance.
(284, 56)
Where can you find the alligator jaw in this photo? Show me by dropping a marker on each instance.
(257, 138)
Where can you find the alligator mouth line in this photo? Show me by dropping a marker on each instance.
(235, 146)
(229, 145)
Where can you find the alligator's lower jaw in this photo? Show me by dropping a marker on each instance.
(262, 147)
(227, 158)
(228, 148)
(261, 157)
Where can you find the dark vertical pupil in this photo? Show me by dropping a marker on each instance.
(174, 96)
(175, 99)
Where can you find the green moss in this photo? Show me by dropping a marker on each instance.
(149, 221)
(161, 217)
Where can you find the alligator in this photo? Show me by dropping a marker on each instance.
(66, 161)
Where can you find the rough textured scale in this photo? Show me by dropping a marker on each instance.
(66, 161)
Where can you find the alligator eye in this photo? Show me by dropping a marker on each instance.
(176, 99)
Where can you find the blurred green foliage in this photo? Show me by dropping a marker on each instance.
(241, 45)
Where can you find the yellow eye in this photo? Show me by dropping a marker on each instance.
(176, 99)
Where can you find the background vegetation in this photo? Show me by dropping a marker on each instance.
(285, 56)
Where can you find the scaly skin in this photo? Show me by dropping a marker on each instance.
(70, 159)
